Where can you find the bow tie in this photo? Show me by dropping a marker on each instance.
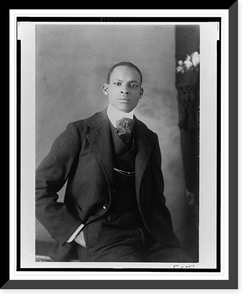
(124, 128)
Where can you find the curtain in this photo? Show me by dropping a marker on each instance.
(187, 85)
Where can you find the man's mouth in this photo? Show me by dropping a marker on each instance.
(123, 99)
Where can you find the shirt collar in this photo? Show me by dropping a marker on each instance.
(115, 114)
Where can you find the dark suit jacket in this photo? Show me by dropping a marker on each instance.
(83, 155)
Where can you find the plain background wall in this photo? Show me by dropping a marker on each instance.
(72, 62)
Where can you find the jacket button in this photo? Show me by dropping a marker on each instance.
(105, 206)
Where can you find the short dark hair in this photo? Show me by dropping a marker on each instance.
(123, 63)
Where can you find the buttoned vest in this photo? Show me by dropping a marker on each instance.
(124, 201)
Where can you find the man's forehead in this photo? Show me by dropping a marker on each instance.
(123, 72)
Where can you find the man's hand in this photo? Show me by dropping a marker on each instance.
(79, 239)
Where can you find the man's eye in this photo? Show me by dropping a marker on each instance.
(117, 83)
(134, 85)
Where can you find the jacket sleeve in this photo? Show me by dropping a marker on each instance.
(51, 175)
(158, 181)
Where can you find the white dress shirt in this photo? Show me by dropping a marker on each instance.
(115, 114)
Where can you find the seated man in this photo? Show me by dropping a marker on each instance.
(114, 207)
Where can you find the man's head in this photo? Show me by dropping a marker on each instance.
(123, 86)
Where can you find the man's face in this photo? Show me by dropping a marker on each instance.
(124, 89)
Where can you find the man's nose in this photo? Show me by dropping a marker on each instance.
(125, 92)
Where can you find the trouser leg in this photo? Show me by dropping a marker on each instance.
(108, 241)
(111, 240)
(118, 253)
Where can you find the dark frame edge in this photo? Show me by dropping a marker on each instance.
(233, 146)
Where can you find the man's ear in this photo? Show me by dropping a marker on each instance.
(141, 92)
(105, 88)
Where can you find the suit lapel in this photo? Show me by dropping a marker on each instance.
(143, 150)
(100, 140)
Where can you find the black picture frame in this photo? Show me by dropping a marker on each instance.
(232, 283)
